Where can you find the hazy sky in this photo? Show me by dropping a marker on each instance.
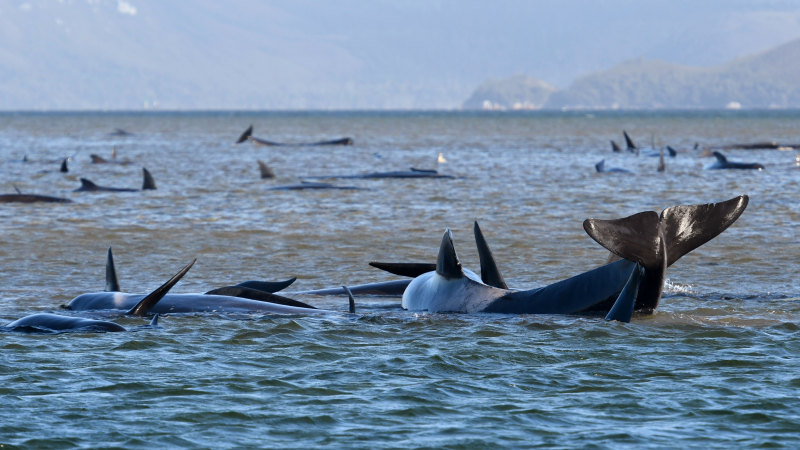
(290, 54)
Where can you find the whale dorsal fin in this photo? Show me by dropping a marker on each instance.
(147, 180)
(97, 159)
(17, 189)
(87, 185)
(447, 263)
(247, 133)
(490, 274)
(112, 283)
(629, 142)
(265, 171)
(141, 308)
(690, 226)
(720, 157)
(672, 152)
(64, 168)
(600, 166)
(661, 165)
(154, 321)
(615, 147)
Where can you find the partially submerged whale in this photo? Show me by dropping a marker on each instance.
(88, 186)
(411, 173)
(601, 168)
(246, 297)
(19, 197)
(313, 185)
(252, 289)
(723, 163)
(248, 135)
(646, 243)
(57, 323)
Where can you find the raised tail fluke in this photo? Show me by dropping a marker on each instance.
(142, 308)
(657, 241)
(689, 227)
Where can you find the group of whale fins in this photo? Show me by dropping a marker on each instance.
(721, 162)
(642, 246)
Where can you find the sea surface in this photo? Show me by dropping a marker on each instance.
(716, 366)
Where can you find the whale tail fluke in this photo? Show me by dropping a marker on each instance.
(657, 241)
(148, 182)
(112, 283)
(143, 307)
(490, 274)
(681, 228)
(245, 135)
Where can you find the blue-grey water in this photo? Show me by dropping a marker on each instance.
(715, 366)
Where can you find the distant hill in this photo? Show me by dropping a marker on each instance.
(517, 92)
(766, 80)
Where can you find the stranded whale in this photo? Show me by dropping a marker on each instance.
(89, 186)
(247, 135)
(646, 243)
(723, 163)
(57, 323)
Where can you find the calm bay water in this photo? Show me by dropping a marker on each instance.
(717, 365)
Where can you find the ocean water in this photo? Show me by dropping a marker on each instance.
(715, 366)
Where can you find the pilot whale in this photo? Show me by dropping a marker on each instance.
(57, 323)
(252, 290)
(88, 186)
(723, 163)
(645, 245)
(247, 135)
(19, 197)
(411, 173)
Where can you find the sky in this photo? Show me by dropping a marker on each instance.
(349, 54)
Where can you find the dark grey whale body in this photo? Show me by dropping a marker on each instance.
(88, 186)
(646, 243)
(247, 135)
(31, 198)
(723, 163)
(412, 173)
(57, 323)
